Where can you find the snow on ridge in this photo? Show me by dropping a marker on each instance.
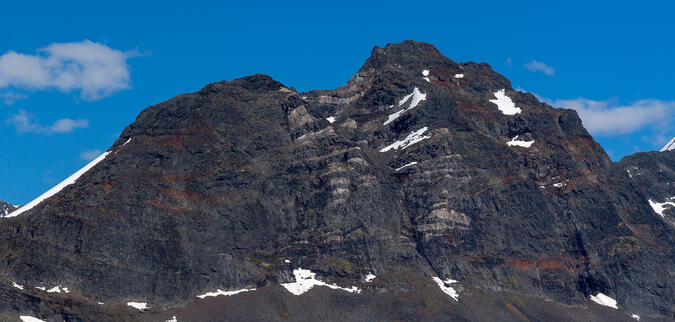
(331, 119)
(406, 165)
(417, 97)
(19, 286)
(28, 318)
(659, 207)
(605, 300)
(504, 103)
(138, 305)
(226, 293)
(370, 277)
(305, 280)
(411, 139)
(669, 146)
(447, 289)
(516, 142)
(56, 189)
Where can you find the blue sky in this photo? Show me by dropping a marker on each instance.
(73, 76)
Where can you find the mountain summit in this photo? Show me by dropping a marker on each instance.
(422, 189)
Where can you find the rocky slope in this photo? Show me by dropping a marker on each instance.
(424, 188)
(651, 175)
(5, 208)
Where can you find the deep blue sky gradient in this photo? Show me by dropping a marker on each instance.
(611, 50)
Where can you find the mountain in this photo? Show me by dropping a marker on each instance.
(5, 208)
(422, 189)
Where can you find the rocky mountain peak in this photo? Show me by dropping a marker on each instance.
(6, 208)
(406, 54)
(434, 178)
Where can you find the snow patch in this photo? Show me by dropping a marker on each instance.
(635, 316)
(447, 289)
(138, 305)
(605, 300)
(173, 319)
(41, 288)
(659, 207)
(407, 165)
(17, 286)
(411, 139)
(459, 75)
(558, 184)
(370, 277)
(425, 72)
(226, 293)
(70, 180)
(504, 103)
(100, 303)
(516, 142)
(426, 79)
(669, 146)
(286, 261)
(416, 96)
(305, 280)
(58, 289)
(28, 318)
(331, 119)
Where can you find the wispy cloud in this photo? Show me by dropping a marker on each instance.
(90, 154)
(536, 66)
(94, 69)
(608, 118)
(26, 123)
(10, 98)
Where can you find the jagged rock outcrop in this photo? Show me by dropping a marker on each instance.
(6, 208)
(418, 168)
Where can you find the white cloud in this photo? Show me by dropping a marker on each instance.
(25, 123)
(607, 118)
(90, 154)
(10, 98)
(92, 68)
(536, 66)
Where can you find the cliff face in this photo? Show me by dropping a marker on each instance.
(418, 168)
(651, 175)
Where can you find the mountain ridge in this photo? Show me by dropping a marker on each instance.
(217, 189)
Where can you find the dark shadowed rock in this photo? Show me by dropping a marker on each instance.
(237, 185)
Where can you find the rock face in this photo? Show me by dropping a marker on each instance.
(418, 168)
(5, 208)
(651, 175)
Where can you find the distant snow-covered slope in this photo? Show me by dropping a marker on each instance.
(669, 146)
